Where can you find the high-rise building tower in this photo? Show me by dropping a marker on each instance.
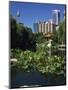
(51, 26)
(40, 27)
(36, 27)
(43, 27)
(18, 13)
(56, 17)
(46, 27)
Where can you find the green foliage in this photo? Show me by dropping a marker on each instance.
(21, 36)
(60, 34)
(39, 61)
(13, 32)
(31, 50)
(39, 38)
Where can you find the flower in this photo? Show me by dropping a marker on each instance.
(55, 56)
(49, 45)
(30, 57)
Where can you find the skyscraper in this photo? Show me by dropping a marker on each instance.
(18, 13)
(56, 17)
(46, 27)
(43, 27)
(40, 27)
(51, 26)
(36, 27)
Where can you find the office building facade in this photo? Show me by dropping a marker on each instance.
(51, 26)
(56, 17)
(36, 27)
(40, 27)
(44, 27)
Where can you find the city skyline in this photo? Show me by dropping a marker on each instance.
(48, 26)
(34, 12)
(45, 27)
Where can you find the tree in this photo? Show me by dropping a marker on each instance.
(59, 35)
(21, 36)
(62, 33)
(39, 38)
(13, 32)
(55, 37)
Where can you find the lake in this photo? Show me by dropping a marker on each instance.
(35, 79)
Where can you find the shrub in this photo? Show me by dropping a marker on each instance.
(29, 61)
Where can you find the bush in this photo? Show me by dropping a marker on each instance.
(39, 61)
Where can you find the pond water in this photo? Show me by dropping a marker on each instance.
(33, 79)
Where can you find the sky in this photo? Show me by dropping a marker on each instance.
(34, 12)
